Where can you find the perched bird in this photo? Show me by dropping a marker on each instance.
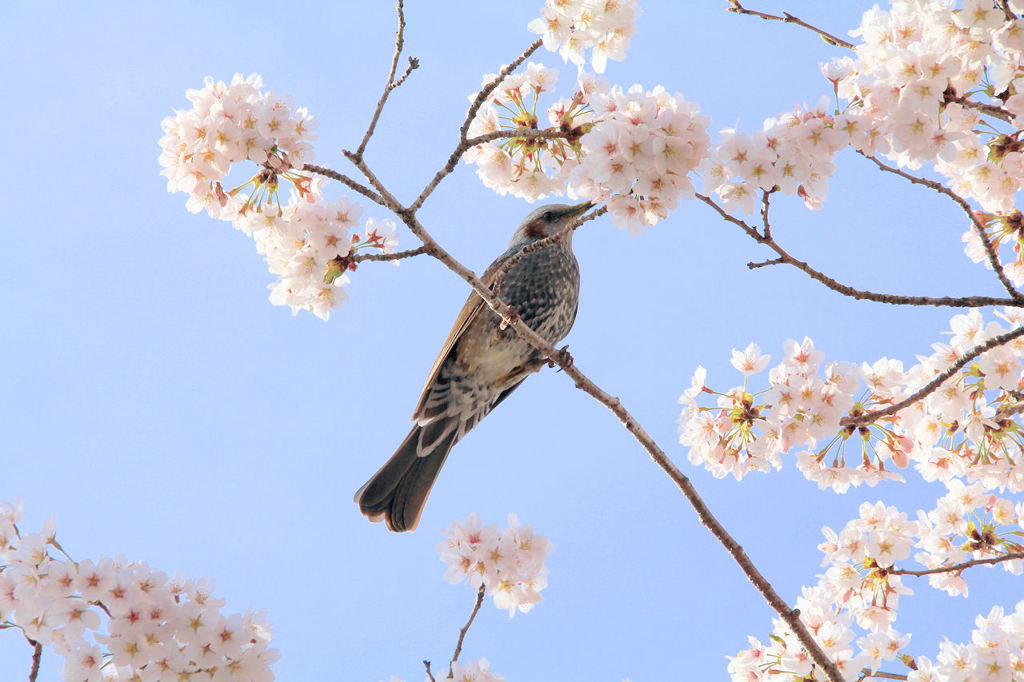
(480, 363)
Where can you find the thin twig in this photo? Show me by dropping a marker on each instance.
(528, 133)
(773, 261)
(414, 64)
(463, 145)
(990, 250)
(956, 568)
(426, 664)
(990, 109)
(1005, 6)
(347, 181)
(765, 205)
(397, 255)
(37, 655)
(465, 628)
(846, 290)
(932, 385)
(789, 19)
(391, 84)
(866, 674)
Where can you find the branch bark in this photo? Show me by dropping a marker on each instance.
(956, 568)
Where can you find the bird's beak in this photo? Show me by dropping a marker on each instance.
(579, 209)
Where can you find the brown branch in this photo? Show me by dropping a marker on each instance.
(426, 664)
(529, 133)
(990, 109)
(866, 674)
(414, 64)
(788, 18)
(37, 655)
(397, 255)
(465, 628)
(765, 205)
(932, 385)
(990, 250)
(846, 290)
(956, 568)
(347, 181)
(1007, 12)
(391, 84)
(774, 261)
(463, 145)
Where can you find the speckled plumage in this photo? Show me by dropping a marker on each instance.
(480, 364)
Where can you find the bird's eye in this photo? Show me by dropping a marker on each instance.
(548, 216)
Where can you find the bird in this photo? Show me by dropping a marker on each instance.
(482, 361)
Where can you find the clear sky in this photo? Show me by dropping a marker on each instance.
(161, 408)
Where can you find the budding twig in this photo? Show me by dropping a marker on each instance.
(347, 181)
(956, 568)
(37, 655)
(463, 145)
(990, 251)
(391, 83)
(788, 18)
(844, 289)
(932, 385)
(465, 628)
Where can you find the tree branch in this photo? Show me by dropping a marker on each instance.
(347, 181)
(846, 290)
(939, 379)
(788, 18)
(37, 655)
(990, 109)
(391, 83)
(397, 255)
(463, 145)
(993, 257)
(956, 568)
(426, 664)
(465, 628)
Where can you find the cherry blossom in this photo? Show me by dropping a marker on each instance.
(509, 563)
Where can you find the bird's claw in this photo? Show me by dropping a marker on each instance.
(561, 358)
(513, 317)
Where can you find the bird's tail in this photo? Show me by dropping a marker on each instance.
(396, 494)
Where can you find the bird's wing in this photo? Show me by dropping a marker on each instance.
(468, 313)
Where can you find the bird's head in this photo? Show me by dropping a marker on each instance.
(548, 220)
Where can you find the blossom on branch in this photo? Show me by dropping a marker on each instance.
(116, 620)
(572, 26)
(300, 240)
(509, 563)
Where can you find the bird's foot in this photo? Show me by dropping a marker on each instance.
(513, 317)
(561, 358)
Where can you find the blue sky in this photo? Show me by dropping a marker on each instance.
(161, 408)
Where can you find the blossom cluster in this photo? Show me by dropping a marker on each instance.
(240, 122)
(529, 168)
(638, 156)
(968, 427)
(117, 620)
(508, 563)
(861, 589)
(633, 150)
(570, 27)
(792, 153)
